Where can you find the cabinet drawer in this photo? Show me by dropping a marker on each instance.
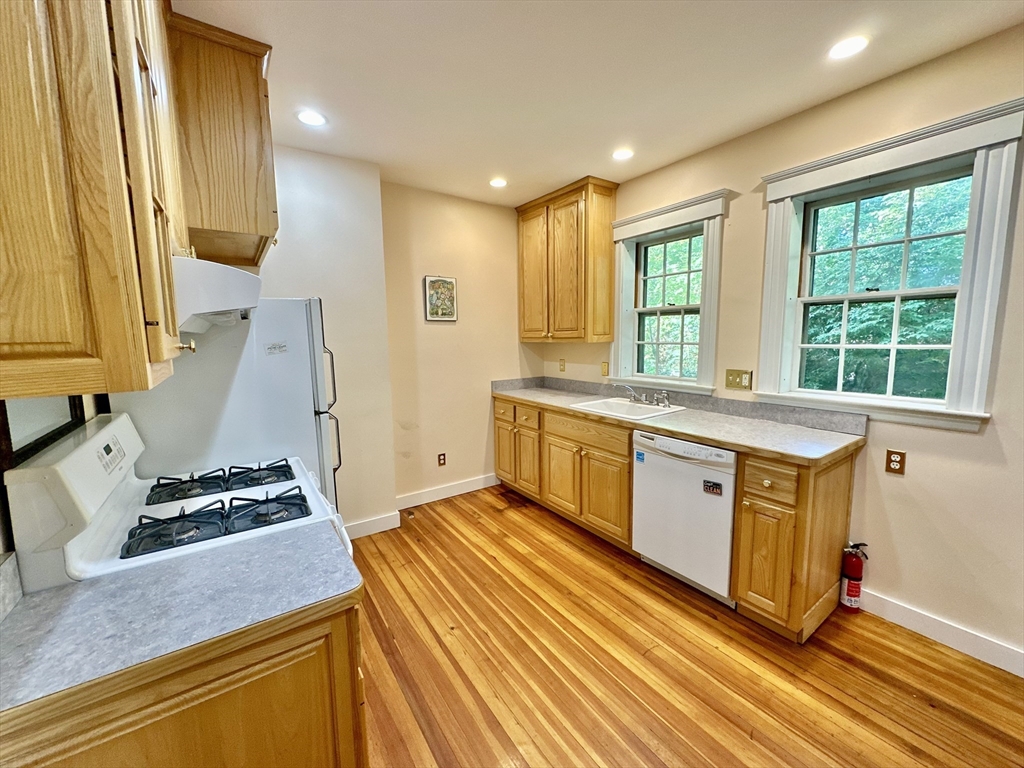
(611, 439)
(527, 417)
(504, 411)
(772, 481)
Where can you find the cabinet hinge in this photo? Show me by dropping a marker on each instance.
(153, 323)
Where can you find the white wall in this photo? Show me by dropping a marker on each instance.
(330, 245)
(442, 372)
(947, 539)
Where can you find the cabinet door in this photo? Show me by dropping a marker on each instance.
(560, 472)
(139, 77)
(605, 492)
(765, 554)
(70, 304)
(565, 267)
(504, 451)
(528, 460)
(533, 274)
(225, 141)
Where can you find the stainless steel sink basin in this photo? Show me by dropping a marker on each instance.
(624, 408)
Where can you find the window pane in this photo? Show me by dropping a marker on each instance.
(921, 373)
(697, 252)
(866, 370)
(691, 328)
(648, 328)
(926, 321)
(675, 290)
(668, 360)
(671, 328)
(833, 227)
(941, 207)
(823, 323)
(935, 262)
(652, 292)
(675, 255)
(883, 218)
(819, 369)
(695, 286)
(869, 322)
(830, 274)
(655, 260)
(647, 358)
(689, 361)
(878, 268)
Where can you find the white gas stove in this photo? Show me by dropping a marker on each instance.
(78, 510)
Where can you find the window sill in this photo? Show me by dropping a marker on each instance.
(922, 415)
(689, 387)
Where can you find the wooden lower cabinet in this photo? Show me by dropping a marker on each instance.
(528, 460)
(517, 448)
(505, 451)
(285, 692)
(560, 470)
(790, 529)
(605, 497)
(765, 556)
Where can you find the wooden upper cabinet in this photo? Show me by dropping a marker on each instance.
(81, 283)
(226, 149)
(567, 264)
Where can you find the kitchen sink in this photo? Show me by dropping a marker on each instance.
(624, 408)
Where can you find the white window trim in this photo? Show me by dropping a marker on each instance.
(665, 222)
(992, 135)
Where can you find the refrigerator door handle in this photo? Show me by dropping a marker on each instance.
(337, 435)
(334, 380)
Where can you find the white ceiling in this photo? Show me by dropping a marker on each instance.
(447, 95)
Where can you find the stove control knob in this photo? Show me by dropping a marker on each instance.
(190, 347)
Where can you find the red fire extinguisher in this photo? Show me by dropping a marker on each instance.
(853, 572)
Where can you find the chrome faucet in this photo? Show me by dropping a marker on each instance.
(633, 396)
(661, 398)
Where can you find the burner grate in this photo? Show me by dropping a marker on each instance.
(240, 478)
(247, 514)
(178, 489)
(155, 534)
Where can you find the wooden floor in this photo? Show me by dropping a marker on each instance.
(497, 634)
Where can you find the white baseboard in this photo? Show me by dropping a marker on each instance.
(373, 525)
(979, 646)
(446, 491)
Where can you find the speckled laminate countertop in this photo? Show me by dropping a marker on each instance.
(801, 445)
(62, 637)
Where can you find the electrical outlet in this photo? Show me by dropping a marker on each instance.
(737, 379)
(896, 462)
(440, 460)
(561, 364)
(604, 369)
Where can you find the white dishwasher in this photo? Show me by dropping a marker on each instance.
(683, 495)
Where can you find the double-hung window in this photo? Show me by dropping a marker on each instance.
(883, 272)
(668, 295)
(879, 284)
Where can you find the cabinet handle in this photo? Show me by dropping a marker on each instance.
(576, 449)
(766, 483)
(583, 453)
(548, 334)
(746, 503)
(516, 429)
(190, 347)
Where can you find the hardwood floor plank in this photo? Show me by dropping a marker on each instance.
(497, 633)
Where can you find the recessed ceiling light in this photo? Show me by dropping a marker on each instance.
(622, 154)
(498, 182)
(309, 117)
(848, 47)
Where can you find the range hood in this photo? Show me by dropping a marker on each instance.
(209, 294)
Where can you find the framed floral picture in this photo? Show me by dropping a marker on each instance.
(439, 298)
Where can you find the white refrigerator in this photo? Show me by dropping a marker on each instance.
(254, 391)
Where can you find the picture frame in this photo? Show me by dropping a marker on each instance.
(440, 299)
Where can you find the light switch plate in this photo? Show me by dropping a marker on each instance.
(604, 369)
(738, 379)
(561, 364)
(896, 462)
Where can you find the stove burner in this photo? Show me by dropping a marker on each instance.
(154, 534)
(261, 474)
(176, 488)
(246, 514)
